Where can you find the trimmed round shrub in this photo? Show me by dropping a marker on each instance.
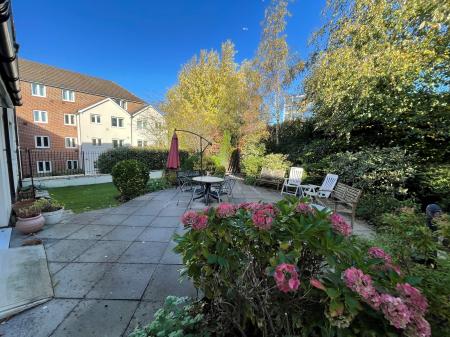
(130, 177)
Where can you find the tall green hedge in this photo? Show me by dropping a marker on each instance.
(153, 159)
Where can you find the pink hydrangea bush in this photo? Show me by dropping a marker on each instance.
(225, 210)
(195, 220)
(340, 225)
(253, 249)
(286, 277)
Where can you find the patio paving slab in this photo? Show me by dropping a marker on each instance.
(39, 321)
(96, 318)
(172, 211)
(124, 233)
(93, 232)
(123, 281)
(77, 279)
(166, 221)
(110, 219)
(104, 251)
(138, 220)
(170, 257)
(58, 231)
(123, 210)
(67, 250)
(165, 282)
(54, 267)
(151, 209)
(157, 234)
(143, 315)
(144, 252)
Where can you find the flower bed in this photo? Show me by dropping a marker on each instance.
(288, 269)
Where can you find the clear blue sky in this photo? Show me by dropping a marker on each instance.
(142, 44)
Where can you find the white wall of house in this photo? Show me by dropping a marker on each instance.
(148, 125)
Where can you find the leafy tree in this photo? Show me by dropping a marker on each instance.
(381, 74)
(278, 68)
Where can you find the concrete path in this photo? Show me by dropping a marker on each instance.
(111, 269)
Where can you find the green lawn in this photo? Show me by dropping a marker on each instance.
(86, 197)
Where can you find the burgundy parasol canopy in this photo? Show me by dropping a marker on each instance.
(173, 160)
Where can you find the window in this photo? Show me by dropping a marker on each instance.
(69, 119)
(42, 141)
(96, 141)
(44, 166)
(95, 119)
(145, 143)
(123, 104)
(38, 90)
(116, 122)
(117, 142)
(72, 164)
(140, 143)
(140, 125)
(68, 95)
(70, 142)
(158, 125)
(95, 164)
(40, 116)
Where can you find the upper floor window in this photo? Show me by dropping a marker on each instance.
(40, 116)
(96, 141)
(70, 142)
(38, 90)
(69, 119)
(123, 104)
(42, 142)
(158, 125)
(140, 124)
(68, 95)
(117, 122)
(95, 119)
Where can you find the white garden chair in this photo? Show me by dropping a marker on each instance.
(323, 191)
(292, 184)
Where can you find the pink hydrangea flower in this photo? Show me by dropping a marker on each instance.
(286, 277)
(195, 220)
(361, 283)
(225, 210)
(413, 298)
(304, 208)
(379, 253)
(418, 328)
(395, 311)
(262, 219)
(340, 225)
(317, 284)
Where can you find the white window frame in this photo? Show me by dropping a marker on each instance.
(44, 90)
(70, 116)
(43, 166)
(72, 161)
(69, 91)
(42, 142)
(120, 142)
(123, 104)
(117, 122)
(40, 117)
(73, 144)
(98, 119)
(98, 142)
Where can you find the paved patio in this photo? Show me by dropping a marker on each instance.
(112, 268)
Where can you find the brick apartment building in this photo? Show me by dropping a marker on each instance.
(60, 107)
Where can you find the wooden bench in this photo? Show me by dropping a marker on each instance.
(271, 177)
(343, 199)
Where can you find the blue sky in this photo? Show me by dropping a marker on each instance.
(142, 44)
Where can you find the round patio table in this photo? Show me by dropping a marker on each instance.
(207, 181)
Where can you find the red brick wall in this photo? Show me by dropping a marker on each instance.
(56, 108)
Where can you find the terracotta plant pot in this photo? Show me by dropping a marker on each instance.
(30, 225)
(54, 217)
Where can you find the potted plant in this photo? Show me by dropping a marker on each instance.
(51, 210)
(29, 219)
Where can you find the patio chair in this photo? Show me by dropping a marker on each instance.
(292, 184)
(323, 191)
(225, 188)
